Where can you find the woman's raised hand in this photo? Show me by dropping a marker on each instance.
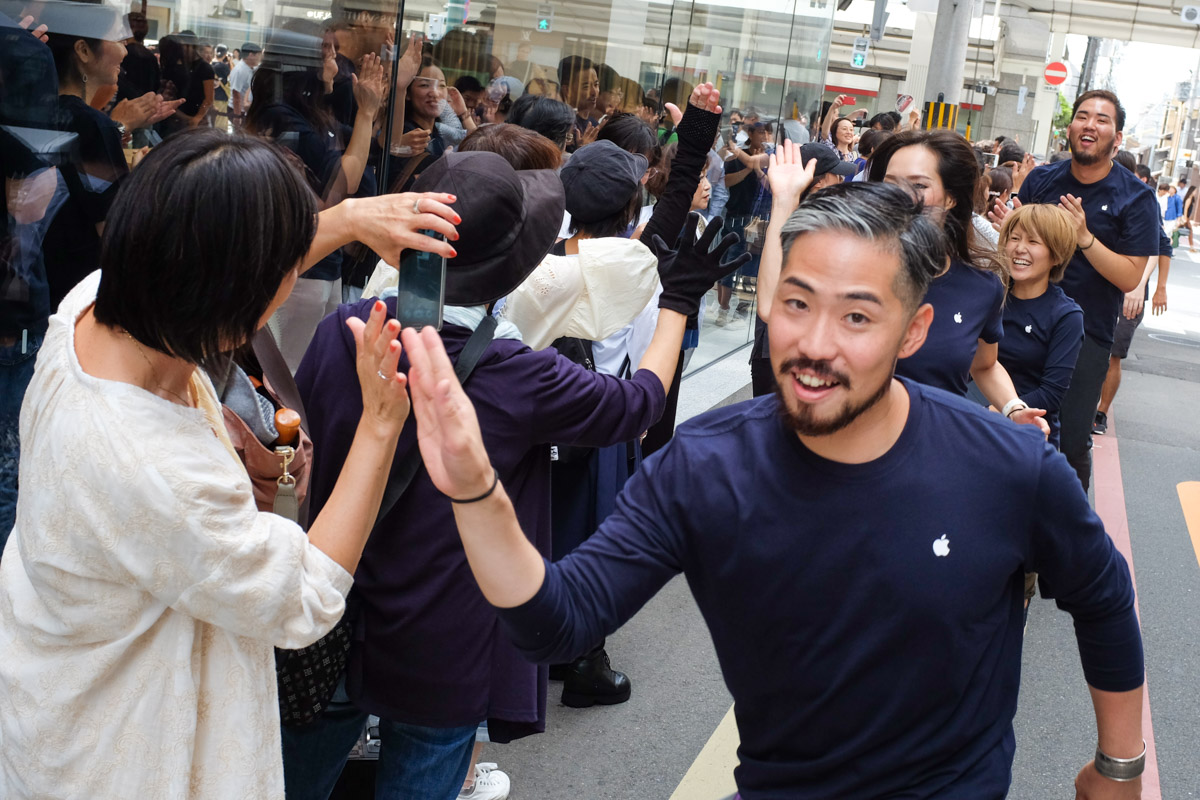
(788, 175)
(457, 102)
(368, 85)
(377, 354)
(392, 223)
(410, 62)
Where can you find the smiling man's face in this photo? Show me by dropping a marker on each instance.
(838, 324)
(1093, 132)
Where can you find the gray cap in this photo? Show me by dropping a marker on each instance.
(600, 179)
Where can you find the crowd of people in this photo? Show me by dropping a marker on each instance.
(256, 517)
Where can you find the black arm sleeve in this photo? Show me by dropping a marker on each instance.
(697, 131)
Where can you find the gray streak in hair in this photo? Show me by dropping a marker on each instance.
(883, 214)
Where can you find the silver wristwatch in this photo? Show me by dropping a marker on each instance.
(122, 130)
(1121, 769)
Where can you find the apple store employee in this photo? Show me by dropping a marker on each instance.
(873, 649)
(866, 609)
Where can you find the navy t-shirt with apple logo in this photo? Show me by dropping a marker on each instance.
(1042, 338)
(968, 306)
(1123, 214)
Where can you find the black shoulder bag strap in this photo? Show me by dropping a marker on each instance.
(471, 353)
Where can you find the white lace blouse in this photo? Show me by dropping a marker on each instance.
(141, 593)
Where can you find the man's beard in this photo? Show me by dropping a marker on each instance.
(803, 421)
(1098, 155)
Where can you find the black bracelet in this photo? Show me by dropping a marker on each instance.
(483, 496)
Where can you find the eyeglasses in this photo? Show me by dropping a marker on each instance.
(426, 84)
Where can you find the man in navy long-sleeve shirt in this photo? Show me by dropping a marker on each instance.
(856, 544)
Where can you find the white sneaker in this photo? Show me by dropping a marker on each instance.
(490, 784)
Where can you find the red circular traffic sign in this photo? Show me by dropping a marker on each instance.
(1056, 73)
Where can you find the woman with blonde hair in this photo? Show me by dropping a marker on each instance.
(1043, 328)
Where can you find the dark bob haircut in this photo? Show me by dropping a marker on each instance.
(884, 121)
(617, 224)
(551, 118)
(631, 134)
(188, 282)
(1010, 151)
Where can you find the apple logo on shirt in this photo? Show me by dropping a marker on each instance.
(958, 317)
(941, 547)
(1029, 329)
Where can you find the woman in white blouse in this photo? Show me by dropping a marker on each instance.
(141, 592)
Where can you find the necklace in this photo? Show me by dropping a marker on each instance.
(154, 373)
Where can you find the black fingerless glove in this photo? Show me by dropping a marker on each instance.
(689, 272)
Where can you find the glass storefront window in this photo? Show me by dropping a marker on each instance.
(287, 69)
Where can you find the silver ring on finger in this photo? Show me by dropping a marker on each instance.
(379, 372)
(417, 206)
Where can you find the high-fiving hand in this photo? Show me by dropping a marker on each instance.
(787, 174)
(377, 354)
(368, 85)
(447, 428)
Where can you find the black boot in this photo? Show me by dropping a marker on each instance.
(591, 680)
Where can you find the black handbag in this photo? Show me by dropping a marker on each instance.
(309, 676)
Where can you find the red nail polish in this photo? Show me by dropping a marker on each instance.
(457, 220)
(453, 253)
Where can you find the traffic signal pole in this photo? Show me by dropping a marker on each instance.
(947, 60)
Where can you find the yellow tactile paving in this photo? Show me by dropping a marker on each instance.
(711, 774)
(1189, 498)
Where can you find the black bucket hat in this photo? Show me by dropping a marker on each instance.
(510, 220)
